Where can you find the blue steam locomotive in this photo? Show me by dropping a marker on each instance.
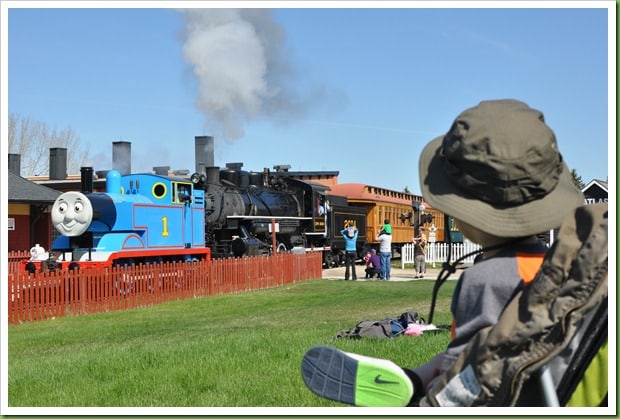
(140, 218)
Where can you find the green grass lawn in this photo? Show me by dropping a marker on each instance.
(229, 351)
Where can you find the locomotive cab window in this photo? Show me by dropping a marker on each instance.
(182, 193)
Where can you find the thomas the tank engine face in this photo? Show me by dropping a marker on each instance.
(72, 214)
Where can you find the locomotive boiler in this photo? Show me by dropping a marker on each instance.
(242, 208)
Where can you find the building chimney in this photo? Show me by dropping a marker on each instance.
(15, 164)
(101, 174)
(161, 170)
(121, 157)
(204, 153)
(58, 163)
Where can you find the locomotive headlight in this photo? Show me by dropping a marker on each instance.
(198, 178)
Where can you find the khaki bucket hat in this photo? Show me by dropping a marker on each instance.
(499, 170)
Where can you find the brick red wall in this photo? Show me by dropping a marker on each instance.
(19, 239)
(41, 232)
(31, 227)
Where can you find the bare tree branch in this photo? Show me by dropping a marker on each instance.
(33, 139)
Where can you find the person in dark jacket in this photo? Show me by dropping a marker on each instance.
(419, 254)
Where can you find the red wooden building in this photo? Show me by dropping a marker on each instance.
(29, 213)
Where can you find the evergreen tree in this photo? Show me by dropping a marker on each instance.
(577, 179)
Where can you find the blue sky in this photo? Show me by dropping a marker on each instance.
(360, 91)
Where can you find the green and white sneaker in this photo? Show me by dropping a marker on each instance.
(355, 379)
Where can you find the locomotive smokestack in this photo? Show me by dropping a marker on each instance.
(204, 153)
(87, 179)
(58, 163)
(213, 175)
(121, 157)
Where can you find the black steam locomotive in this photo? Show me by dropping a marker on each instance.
(243, 208)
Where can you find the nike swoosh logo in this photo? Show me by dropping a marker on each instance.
(378, 380)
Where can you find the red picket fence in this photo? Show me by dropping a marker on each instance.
(46, 295)
(16, 257)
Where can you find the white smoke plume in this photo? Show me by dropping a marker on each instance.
(239, 60)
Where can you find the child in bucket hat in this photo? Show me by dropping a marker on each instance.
(499, 169)
(499, 173)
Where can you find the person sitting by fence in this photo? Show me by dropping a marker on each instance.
(373, 266)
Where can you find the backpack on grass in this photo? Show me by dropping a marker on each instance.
(386, 328)
(409, 317)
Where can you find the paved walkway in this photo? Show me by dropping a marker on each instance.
(397, 274)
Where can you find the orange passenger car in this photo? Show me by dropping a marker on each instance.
(381, 204)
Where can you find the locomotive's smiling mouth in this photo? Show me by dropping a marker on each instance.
(68, 226)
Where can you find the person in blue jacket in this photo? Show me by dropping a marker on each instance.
(350, 239)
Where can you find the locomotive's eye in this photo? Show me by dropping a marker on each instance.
(62, 208)
(78, 207)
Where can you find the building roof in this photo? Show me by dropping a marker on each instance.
(311, 174)
(362, 192)
(24, 191)
(596, 182)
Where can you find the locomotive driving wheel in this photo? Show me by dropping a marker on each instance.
(329, 261)
(281, 247)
